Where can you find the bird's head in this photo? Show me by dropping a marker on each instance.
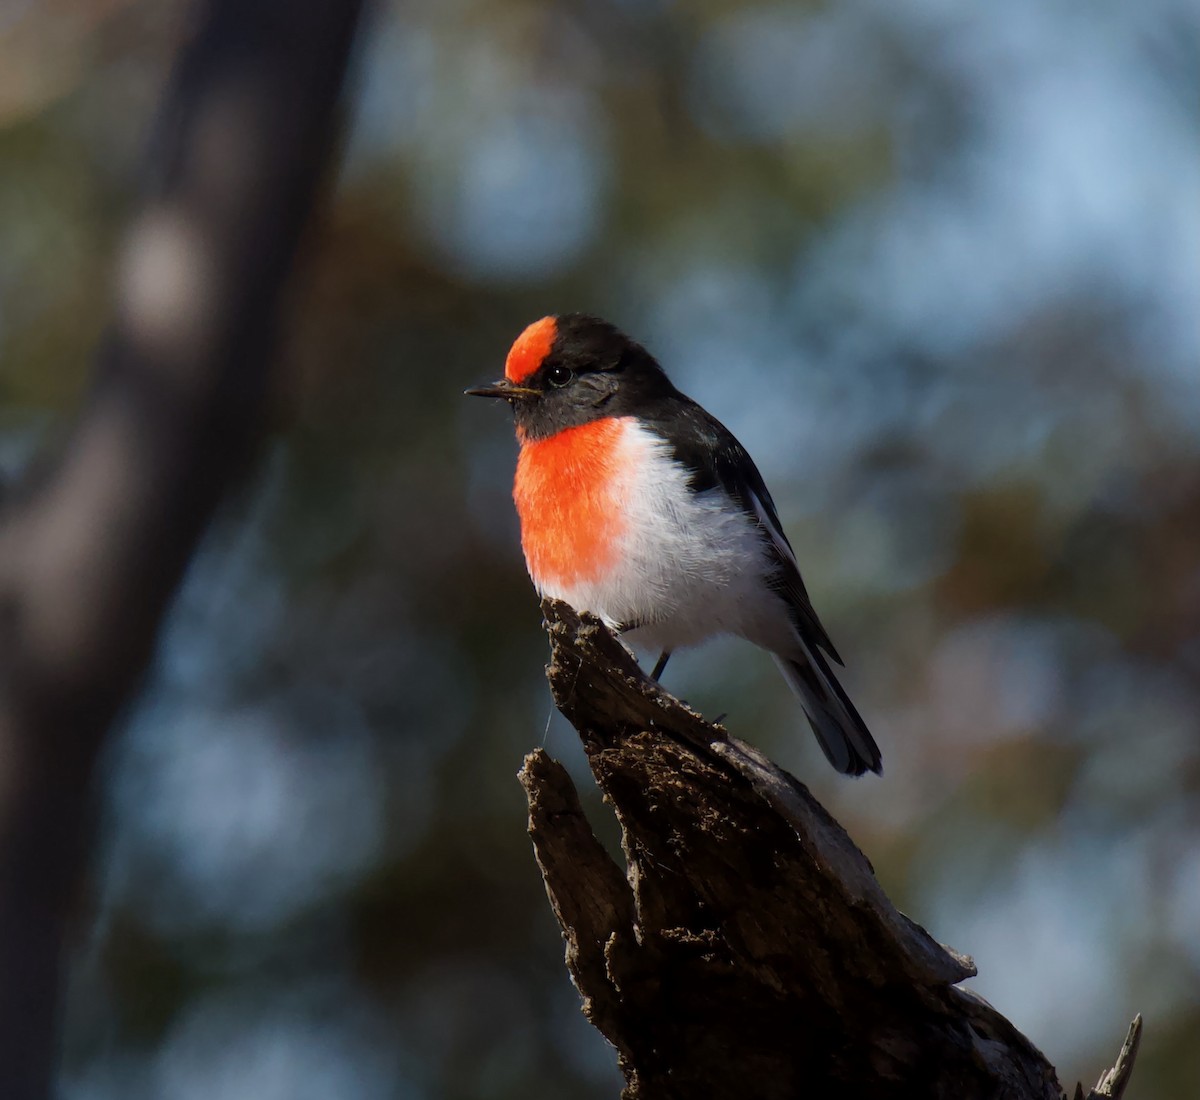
(567, 370)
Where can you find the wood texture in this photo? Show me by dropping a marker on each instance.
(747, 949)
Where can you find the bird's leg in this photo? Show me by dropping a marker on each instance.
(660, 664)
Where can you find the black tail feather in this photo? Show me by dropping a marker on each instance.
(839, 728)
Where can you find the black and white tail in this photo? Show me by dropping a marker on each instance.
(840, 730)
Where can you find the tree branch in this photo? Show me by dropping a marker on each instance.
(748, 950)
(91, 554)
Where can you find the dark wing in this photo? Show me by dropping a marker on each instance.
(715, 457)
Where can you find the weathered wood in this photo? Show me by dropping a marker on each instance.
(747, 950)
(1113, 1082)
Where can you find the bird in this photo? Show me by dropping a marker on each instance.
(639, 506)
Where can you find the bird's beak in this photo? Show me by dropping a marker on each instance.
(504, 388)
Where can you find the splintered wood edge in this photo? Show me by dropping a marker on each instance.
(589, 894)
(1113, 1082)
(588, 891)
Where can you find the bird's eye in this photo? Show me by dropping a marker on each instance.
(559, 376)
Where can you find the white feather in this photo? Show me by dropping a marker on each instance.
(776, 535)
(689, 566)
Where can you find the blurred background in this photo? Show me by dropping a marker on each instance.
(938, 268)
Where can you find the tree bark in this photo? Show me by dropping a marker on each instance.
(93, 549)
(747, 949)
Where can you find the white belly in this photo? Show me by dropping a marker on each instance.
(689, 565)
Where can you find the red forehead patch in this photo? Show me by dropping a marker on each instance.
(530, 349)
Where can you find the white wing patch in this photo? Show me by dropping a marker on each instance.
(777, 537)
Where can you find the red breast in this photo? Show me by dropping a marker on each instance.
(567, 492)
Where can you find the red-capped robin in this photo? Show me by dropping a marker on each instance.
(637, 505)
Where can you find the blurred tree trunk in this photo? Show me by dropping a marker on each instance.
(748, 952)
(92, 550)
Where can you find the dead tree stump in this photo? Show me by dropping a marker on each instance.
(747, 951)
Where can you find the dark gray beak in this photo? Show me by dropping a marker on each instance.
(504, 388)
